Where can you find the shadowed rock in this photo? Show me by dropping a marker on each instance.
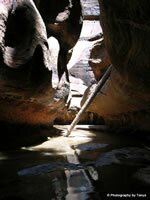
(26, 93)
(63, 21)
(125, 99)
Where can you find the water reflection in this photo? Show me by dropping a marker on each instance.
(88, 165)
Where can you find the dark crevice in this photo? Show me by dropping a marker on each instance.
(19, 27)
(39, 73)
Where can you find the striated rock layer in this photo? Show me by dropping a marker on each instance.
(125, 99)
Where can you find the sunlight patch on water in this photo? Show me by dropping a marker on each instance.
(61, 145)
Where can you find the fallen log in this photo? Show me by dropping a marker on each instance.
(89, 100)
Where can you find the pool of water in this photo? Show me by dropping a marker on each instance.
(87, 165)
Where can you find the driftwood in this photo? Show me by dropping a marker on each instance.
(89, 100)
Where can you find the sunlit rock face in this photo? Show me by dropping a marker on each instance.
(125, 99)
(26, 93)
(63, 20)
(99, 59)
